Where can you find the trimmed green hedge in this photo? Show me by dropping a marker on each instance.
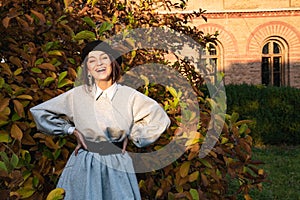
(275, 111)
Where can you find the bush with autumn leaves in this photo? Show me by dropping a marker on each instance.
(40, 49)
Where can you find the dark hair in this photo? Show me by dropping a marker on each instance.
(114, 55)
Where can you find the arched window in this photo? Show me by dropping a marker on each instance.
(272, 66)
(210, 61)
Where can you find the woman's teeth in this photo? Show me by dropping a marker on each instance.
(100, 70)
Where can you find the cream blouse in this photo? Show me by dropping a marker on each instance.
(109, 115)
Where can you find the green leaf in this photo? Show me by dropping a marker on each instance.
(61, 18)
(35, 181)
(105, 26)
(36, 70)
(56, 154)
(62, 76)
(26, 174)
(48, 80)
(234, 117)
(4, 137)
(72, 61)
(2, 82)
(14, 161)
(39, 61)
(172, 91)
(4, 157)
(27, 157)
(2, 123)
(15, 117)
(194, 194)
(49, 45)
(89, 21)
(26, 192)
(64, 82)
(114, 19)
(88, 35)
(3, 166)
(206, 163)
(243, 128)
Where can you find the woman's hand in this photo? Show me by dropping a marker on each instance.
(80, 141)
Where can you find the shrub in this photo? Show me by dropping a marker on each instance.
(274, 111)
(39, 46)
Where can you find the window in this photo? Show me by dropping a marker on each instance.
(272, 63)
(209, 60)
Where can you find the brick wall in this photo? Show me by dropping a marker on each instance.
(244, 27)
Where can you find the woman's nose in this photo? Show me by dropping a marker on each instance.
(99, 62)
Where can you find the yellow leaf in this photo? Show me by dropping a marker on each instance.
(18, 71)
(247, 197)
(191, 142)
(261, 172)
(194, 176)
(4, 137)
(3, 104)
(18, 107)
(184, 169)
(27, 190)
(67, 3)
(57, 194)
(25, 96)
(16, 132)
(55, 53)
(49, 143)
(159, 193)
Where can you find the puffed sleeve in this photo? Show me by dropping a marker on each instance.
(54, 116)
(149, 120)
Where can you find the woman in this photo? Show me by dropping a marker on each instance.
(102, 114)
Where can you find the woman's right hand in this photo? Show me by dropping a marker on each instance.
(80, 141)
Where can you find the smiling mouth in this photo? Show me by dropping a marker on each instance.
(100, 70)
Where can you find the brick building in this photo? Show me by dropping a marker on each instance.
(258, 42)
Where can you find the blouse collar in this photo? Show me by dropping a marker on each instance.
(109, 92)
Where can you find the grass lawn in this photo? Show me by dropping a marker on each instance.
(282, 164)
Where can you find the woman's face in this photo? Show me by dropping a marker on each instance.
(99, 66)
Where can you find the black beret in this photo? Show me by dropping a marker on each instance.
(99, 45)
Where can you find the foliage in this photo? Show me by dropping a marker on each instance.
(272, 109)
(40, 45)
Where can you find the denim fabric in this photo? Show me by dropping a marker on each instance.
(90, 176)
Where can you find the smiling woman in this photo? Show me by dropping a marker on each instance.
(99, 67)
(102, 115)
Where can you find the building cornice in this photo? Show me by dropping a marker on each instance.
(253, 13)
(218, 14)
